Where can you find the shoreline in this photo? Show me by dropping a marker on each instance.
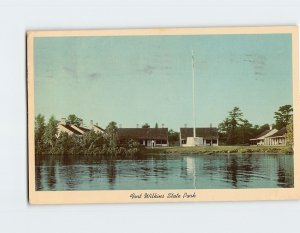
(177, 150)
(210, 150)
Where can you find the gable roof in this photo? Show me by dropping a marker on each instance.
(261, 134)
(83, 129)
(98, 127)
(71, 129)
(265, 134)
(143, 133)
(206, 133)
(279, 133)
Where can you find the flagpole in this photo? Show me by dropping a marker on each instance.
(194, 113)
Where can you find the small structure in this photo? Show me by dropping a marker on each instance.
(149, 137)
(277, 139)
(261, 138)
(271, 137)
(95, 127)
(205, 136)
(64, 126)
(72, 129)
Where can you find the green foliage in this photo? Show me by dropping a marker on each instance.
(283, 116)
(146, 125)
(290, 134)
(156, 125)
(48, 142)
(262, 128)
(173, 137)
(229, 127)
(111, 135)
(39, 130)
(236, 130)
(50, 133)
(74, 120)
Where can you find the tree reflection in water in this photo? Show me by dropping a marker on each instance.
(158, 172)
(284, 175)
(38, 178)
(51, 175)
(111, 172)
(232, 172)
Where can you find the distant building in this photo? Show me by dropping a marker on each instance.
(95, 127)
(149, 137)
(278, 138)
(208, 136)
(271, 137)
(71, 129)
(260, 139)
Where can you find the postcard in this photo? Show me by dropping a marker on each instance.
(163, 115)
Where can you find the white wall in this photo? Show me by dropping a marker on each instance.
(18, 16)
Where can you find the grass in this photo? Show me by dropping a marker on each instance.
(223, 150)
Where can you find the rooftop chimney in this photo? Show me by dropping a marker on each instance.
(271, 126)
(163, 125)
(81, 123)
(91, 124)
(210, 125)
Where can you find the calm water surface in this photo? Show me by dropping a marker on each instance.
(167, 172)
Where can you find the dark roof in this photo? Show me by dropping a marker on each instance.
(262, 134)
(206, 133)
(72, 129)
(83, 129)
(279, 133)
(143, 133)
(99, 127)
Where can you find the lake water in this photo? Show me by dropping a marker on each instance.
(167, 172)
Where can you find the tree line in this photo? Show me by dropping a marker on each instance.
(233, 130)
(237, 130)
(48, 141)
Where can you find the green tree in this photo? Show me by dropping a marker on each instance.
(111, 135)
(146, 125)
(263, 128)
(64, 144)
(246, 131)
(156, 125)
(229, 127)
(173, 137)
(283, 116)
(73, 119)
(50, 134)
(290, 133)
(39, 130)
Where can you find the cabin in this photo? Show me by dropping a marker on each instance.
(278, 138)
(71, 129)
(271, 137)
(208, 136)
(148, 137)
(261, 138)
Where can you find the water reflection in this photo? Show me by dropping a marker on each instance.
(111, 172)
(51, 179)
(166, 172)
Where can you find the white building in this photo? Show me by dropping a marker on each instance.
(205, 136)
(271, 137)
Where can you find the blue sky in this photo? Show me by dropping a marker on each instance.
(138, 79)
